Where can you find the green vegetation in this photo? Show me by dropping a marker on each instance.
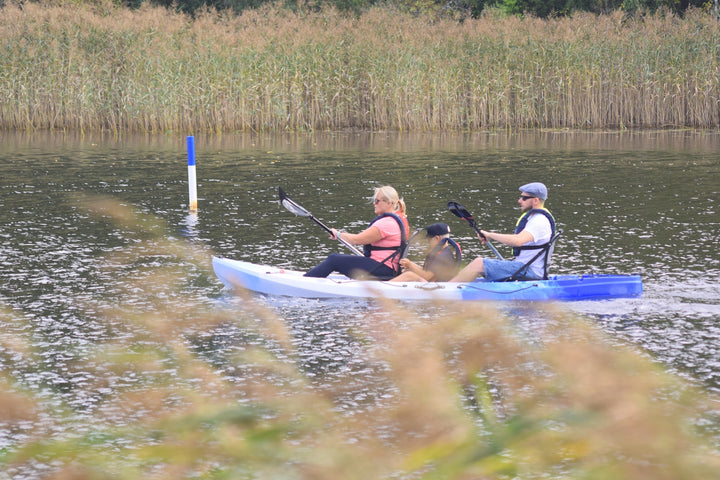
(458, 9)
(463, 395)
(116, 69)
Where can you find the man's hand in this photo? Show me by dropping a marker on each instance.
(483, 236)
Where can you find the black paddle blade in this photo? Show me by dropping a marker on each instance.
(453, 207)
(459, 211)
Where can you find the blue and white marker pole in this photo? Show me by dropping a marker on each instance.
(192, 177)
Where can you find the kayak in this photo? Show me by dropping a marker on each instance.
(277, 281)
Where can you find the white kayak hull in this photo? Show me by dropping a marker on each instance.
(270, 280)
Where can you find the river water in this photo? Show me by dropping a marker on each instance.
(644, 203)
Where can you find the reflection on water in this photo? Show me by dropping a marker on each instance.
(628, 203)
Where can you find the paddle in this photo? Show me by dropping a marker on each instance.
(412, 237)
(297, 209)
(459, 211)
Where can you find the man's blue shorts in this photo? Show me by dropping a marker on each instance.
(496, 270)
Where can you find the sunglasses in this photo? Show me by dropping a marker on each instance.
(526, 197)
(378, 200)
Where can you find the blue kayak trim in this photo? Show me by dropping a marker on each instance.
(559, 287)
(276, 281)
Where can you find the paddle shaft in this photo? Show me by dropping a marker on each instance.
(329, 230)
(412, 237)
(490, 245)
(299, 210)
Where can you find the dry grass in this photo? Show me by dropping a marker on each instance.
(91, 68)
(469, 397)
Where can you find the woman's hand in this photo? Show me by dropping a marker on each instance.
(365, 237)
(335, 234)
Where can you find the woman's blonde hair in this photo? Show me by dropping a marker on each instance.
(390, 194)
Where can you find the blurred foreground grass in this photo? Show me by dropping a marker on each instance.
(466, 395)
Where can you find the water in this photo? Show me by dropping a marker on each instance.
(641, 203)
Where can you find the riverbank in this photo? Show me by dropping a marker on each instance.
(151, 70)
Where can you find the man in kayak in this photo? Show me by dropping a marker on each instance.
(441, 262)
(533, 232)
(384, 241)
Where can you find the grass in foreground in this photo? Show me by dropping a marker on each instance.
(464, 395)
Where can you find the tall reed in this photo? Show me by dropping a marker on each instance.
(462, 395)
(88, 68)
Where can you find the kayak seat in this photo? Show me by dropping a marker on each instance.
(545, 251)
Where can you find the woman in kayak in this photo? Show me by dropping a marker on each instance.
(384, 242)
(442, 261)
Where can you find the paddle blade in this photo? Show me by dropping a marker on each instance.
(290, 205)
(453, 207)
(459, 211)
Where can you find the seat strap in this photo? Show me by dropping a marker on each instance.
(544, 249)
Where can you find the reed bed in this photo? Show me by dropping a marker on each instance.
(103, 68)
(464, 395)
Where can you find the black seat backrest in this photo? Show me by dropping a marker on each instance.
(546, 252)
(549, 252)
